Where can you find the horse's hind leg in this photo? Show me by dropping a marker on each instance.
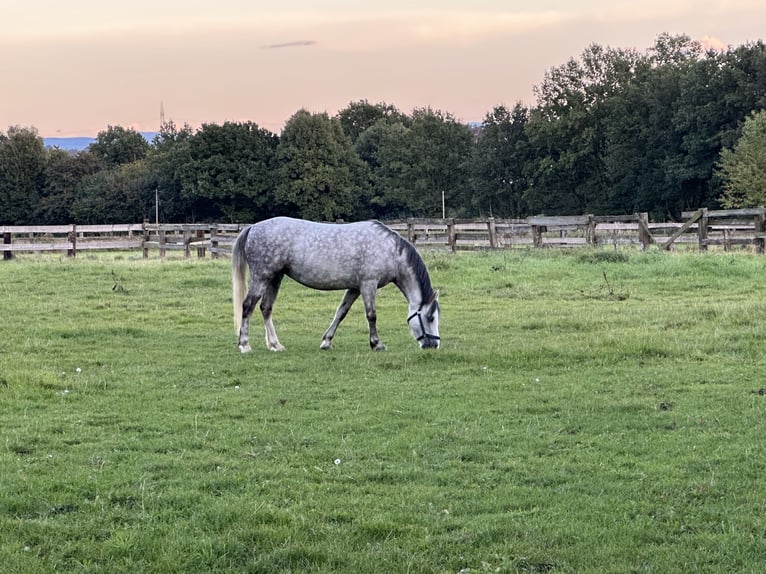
(267, 304)
(348, 300)
(253, 295)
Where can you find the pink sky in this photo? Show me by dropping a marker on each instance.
(74, 68)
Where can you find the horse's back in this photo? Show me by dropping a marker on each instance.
(324, 255)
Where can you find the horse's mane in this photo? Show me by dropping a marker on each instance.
(414, 261)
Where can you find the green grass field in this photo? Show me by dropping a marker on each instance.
(588, 412)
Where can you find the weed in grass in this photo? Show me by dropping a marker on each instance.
(607, 291)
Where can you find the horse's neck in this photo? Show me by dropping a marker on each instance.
(411, 288)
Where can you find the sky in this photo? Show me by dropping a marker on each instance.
(75, 67)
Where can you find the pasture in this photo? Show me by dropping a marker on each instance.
(590, 411)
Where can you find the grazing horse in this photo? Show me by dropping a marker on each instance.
(358, 257)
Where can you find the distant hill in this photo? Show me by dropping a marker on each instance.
(69, 144)
(81, 143)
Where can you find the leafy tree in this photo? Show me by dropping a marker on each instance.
(667, 126)
(362, 115)
(117, 146)
(747, 65)
(702, 121)
(168, 158)
(225, 172)
(119, 195)
(743, 85)
(743, 167)
(22, 175)
(497, 165)
(115, 184)
(63, 173)
(412, 166)
(567, 131)
(640, 141)
(440, 149)
(320, 175)
(384, 148)
(674, 50)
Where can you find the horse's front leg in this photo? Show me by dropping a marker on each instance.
(368, 296)
(348, 300)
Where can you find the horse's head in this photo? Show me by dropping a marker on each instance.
(424, 323)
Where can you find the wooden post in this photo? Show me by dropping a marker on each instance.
(537, 235)
(72, 238)
(145, 233)
(7, 255)
(200, 250)
(590, 237)
(760, 228)
(452, 235)
(161, 241)
(411, 232)
(702, 230)
(214, 241)
(492, 233)
(644, 235)
(187, 241)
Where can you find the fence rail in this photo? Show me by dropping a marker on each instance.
(700, 229)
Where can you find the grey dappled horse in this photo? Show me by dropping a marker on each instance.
(358, 257)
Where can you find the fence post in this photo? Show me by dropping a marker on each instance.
(452, 235)
(644, 235)
(411, 231)
(161, 240)
(201, 250)
(702, 230)
(7, 255)
(537, 235)
(590, 237)
(72, 238)
(492, 233)
(187, 242)
(760, 228)
(214, 241)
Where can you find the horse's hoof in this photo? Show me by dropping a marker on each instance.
(245, 348)
(326, 345)
(277, 348)
(379, 347)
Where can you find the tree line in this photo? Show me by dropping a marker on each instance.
(613, 131)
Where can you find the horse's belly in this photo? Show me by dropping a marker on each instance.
(324, 280)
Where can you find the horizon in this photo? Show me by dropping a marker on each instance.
(79, 143)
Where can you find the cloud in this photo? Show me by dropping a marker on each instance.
(469, 26)
(713, 43)
(295, 44)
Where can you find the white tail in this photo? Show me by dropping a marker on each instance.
(238, 277)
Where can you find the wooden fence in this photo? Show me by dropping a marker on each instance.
(163, 238)
(701, 229)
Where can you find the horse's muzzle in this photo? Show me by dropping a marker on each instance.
(429, 343)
